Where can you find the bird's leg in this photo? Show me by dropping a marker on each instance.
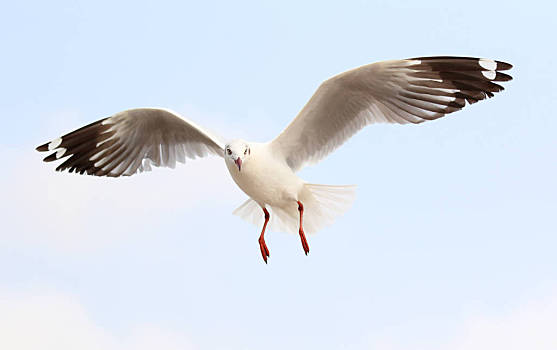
(302, 235)
(262, 245)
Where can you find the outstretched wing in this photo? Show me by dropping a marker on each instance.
(130, 141)
(400, 91)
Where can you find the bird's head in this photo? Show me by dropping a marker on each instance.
(237, 152)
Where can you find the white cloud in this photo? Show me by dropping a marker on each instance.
(530, 325)
(73, 212)
(53, 321)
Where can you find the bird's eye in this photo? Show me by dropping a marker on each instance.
(246, 152)
(228, 151)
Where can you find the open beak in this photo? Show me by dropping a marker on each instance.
(239, 163)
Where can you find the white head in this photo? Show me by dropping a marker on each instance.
(237, 152)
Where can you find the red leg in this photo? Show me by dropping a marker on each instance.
(262, 245)
(302, 235)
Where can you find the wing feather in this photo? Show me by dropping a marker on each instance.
(129, 142)
(400, 91)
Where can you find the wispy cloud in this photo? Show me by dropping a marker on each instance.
(72, 212)
(528, 325)
(59, 322)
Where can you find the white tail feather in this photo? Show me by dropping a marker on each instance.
(250, 211)
(322, 204)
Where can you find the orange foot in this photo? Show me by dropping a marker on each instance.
(304, 241)
(302, 235)
(264, 249)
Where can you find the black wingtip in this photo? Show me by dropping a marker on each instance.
(503, 65)
(503, 77)
(42, 148)
(50, 158)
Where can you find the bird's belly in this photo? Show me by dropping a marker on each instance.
(267, 185)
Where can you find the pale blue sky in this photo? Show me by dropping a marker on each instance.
(451, 240)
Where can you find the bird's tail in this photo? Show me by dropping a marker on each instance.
(322, 204)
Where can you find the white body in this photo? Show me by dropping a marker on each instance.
(272, 184)
(265, 179)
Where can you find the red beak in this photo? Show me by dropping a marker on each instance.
(239, 163)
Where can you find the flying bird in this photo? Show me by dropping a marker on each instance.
(398, 91)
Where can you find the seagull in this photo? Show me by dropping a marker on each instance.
(408, 91)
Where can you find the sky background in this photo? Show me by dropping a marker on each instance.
(450, 243)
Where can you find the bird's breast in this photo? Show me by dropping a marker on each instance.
(265, 180)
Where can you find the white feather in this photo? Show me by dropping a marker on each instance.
(489, 74)
(488, 64)
(54, 143)
(60, 152)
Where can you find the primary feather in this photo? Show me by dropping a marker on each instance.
(399, 91)
(130, 142)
